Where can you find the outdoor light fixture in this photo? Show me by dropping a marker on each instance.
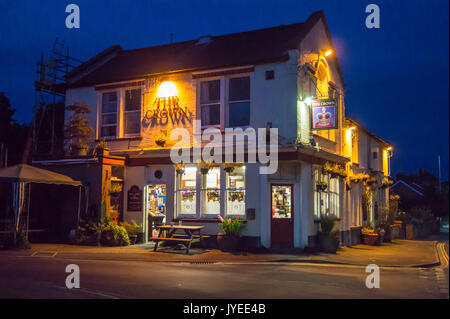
(352, 128)
(328, 52)
(308, 101)
(167, 89)
(166, 103)
(389, 148)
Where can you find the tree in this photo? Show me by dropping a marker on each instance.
(12, 134)
(78, 130)
(6, 117)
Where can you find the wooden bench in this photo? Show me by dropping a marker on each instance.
(192, 234)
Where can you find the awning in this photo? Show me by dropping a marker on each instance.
(24, 173)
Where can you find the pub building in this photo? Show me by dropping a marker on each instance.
(285, 77)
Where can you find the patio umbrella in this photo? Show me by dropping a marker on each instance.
(21, 175)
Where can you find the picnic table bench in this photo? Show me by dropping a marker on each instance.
(191, 234)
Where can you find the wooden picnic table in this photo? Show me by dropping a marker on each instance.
(191, 234)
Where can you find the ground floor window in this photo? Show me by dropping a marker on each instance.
(236, 191)
(210, 192)
(221, 191)
(326, 195)
(186, 191)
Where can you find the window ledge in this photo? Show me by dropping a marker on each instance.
(202, 220)
(317, 221)
(113, 139)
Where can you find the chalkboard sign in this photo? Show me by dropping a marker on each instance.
(134, 199)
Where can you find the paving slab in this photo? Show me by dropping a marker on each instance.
(399, 253)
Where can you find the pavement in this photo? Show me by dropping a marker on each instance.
(399, 253)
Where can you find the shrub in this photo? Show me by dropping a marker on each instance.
(114, 235)
(327, 225)
(132, 227)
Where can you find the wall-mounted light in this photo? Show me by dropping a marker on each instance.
(328, 52)
(167, 89)
(308, 101)
(389, 148)
(352, 128)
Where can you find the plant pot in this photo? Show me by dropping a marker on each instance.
(133, 239)
(140, 238)
(160, 143)
(180, 171)
(370, 239)
(228, 169)
(227, 243)
(328, 244)
(107, 238)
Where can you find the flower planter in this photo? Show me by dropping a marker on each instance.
(328, 244)
(160, 143)
(133, 239)
(228, 169)
(140, 238)
(227, 243)
(180, 171)
(371, 239)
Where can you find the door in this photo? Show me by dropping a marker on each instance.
(282, 222)
(155, 207)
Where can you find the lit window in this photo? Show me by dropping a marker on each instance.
(109, 115)
(186, 192)
(132, 112)
(239, 106)
(235, 191)
(326, 199)
(210, 192)
(210, 102)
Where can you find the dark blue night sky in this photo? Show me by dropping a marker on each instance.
(397, 76)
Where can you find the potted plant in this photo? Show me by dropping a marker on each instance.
(160, 139)
(132, 229)
(369, 236)
(179, 168)
(321, 186)
(229, 239)
(204, 166)
(329, 235)
(229, 167)
(112, 234)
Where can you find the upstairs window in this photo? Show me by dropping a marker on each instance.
(132, 112)
(109, 115)
(210, 102)
(239, 102)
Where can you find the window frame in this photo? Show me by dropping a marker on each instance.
(331, 197)
(228, 101)
(224, 100)
(100, 121)
(199, 189)
(123, 111)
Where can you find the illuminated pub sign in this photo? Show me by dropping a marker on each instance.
(324, 115)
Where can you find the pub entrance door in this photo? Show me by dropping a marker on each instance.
(282, 216)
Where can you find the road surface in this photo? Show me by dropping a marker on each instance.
(45, 277)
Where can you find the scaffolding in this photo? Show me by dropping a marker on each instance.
(50, 90)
